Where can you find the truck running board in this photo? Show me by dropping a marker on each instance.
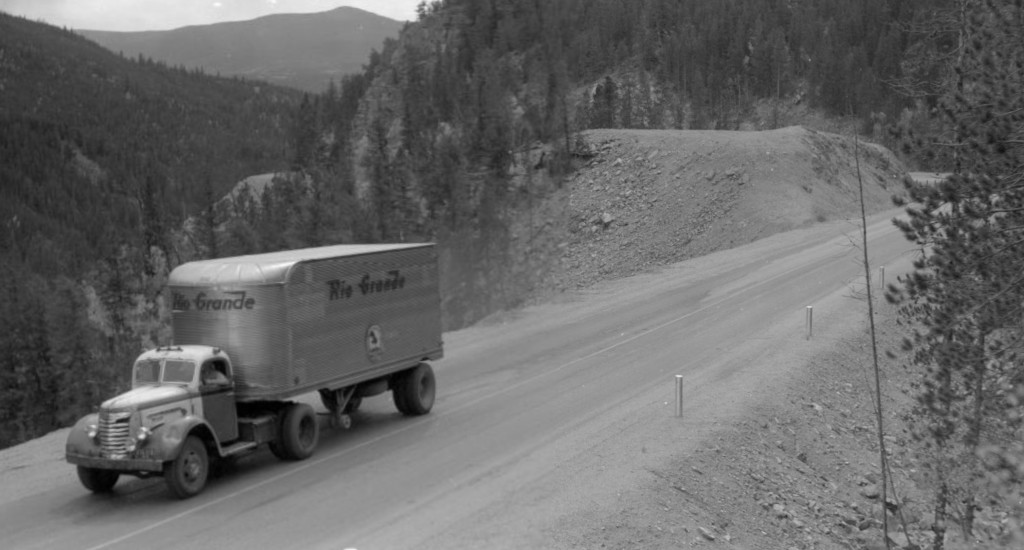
(238, 447)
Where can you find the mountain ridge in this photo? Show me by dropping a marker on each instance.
(304, 51)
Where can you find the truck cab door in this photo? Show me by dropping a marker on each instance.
(217, 392)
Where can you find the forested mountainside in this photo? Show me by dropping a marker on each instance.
(101, 160)
(98, 149)
(304, 51)
(445, 116)
(113, 169)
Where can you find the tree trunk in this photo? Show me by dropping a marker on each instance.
(939, 525)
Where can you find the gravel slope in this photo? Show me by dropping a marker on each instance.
(650, 197)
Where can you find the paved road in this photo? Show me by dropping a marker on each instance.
(518, 398)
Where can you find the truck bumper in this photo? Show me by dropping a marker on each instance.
(119, 464)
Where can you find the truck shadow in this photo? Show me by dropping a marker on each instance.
(377, 417)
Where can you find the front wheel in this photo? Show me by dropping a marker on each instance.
(186, 475)
(414, 390)
(96, 480)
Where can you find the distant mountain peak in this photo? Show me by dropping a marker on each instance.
(299, 50)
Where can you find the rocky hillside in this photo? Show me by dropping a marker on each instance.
(646, 198)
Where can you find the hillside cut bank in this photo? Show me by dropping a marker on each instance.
(646, 198)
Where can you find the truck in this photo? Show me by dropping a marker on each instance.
(252, 334)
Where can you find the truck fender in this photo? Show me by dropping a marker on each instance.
(79, 442)
(171, 437)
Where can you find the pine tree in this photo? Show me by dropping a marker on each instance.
(605, 103)
(967, 292)
(377, 163)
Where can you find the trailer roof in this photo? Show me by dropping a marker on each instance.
(268, 268)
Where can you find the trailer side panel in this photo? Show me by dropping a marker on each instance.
(356, 318)
(296, 324)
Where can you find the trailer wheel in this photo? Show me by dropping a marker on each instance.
(299, 433)
(186, 475)
(96, 480)
(414, 390)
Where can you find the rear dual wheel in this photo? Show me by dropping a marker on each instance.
(299, 433)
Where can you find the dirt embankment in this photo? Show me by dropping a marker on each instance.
(651, 197)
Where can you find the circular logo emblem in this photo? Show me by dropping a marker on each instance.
(374, 345)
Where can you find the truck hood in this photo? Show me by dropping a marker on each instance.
(146, 397)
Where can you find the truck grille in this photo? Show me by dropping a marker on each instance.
(114, 434)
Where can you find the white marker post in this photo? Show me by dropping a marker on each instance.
(679, 396)
(810, 321)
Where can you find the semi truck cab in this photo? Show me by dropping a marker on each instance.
(175, 390)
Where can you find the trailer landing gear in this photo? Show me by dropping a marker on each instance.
(339, 403)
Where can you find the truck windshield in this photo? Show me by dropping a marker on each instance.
(177, 370)
(147, 371)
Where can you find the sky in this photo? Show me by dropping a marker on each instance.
(158, 15)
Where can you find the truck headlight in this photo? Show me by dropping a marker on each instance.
(93, 431)
(143, 436)
(140, 439)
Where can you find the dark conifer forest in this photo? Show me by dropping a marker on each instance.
(102, 159)
(114, 170)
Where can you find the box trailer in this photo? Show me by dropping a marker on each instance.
(251, 333)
